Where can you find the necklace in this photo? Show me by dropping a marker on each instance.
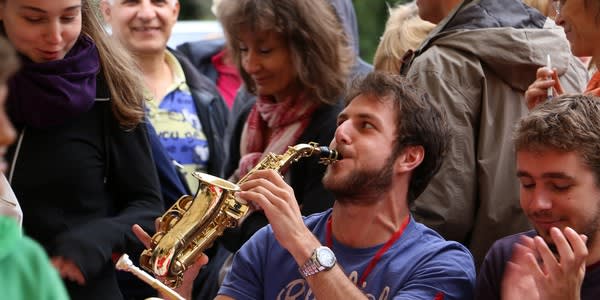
(380, 252)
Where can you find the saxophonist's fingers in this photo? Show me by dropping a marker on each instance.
(257, 197)
(272, 181)
(266, 194)
(274, 207)
(142, 235)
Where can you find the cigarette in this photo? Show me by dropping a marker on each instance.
(549, 93)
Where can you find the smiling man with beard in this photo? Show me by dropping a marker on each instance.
(393, 140)
(558, 165)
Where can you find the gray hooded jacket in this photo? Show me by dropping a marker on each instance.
(477, 64)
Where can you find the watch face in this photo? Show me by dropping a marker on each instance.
(326, 257)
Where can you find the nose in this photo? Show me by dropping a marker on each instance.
(146, 11)
(342, 133)
(251, 62)
(539, 201)
(53, 33)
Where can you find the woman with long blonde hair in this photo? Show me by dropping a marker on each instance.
(404, 31)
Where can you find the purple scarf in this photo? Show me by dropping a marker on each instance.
(48, 94)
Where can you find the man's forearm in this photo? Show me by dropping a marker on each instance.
(329, 284)
(334, 284)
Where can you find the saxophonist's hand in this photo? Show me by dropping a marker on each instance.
(267, 189)
(185, 290)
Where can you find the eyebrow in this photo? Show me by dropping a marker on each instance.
(37, 9)
(258, 41)
(549, 175)
(362, 116)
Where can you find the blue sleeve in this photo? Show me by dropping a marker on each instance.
(170, 183)
(245, 279)
(448, 275)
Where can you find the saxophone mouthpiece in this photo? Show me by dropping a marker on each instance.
(328, 156)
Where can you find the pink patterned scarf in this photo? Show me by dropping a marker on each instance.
(287, 120)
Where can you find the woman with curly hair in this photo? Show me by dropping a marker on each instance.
(294, 59)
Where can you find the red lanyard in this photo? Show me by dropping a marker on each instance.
(378, 255)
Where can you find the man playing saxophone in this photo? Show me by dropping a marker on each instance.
(392, 139)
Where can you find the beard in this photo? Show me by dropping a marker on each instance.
(589, 228)
(361, 187)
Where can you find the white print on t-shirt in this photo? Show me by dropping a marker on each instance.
(192, 118)
(299, 289)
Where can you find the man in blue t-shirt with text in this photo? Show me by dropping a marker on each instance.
(392, 139)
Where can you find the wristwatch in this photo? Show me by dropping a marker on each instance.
(322, 259)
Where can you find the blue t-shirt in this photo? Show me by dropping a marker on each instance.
(178, 126)
(419, 265)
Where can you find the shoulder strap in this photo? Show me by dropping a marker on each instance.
(103, 98)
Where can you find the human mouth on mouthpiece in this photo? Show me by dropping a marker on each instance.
(329, 156)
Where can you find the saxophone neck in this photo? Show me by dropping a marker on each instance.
(307, 150)
(292, 154)
(303, 150)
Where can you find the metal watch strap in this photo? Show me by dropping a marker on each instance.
(312, 266)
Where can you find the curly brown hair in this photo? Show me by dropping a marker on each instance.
(319, 46)
(566, 124)
(419, 122)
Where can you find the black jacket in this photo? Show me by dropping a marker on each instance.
(200, 54)
(82, 185)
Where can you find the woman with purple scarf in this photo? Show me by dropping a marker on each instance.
(81, 167)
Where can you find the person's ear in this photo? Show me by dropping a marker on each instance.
(177, 7)
(410, 159)
(105, 7)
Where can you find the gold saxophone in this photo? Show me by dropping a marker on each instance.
(192, 224)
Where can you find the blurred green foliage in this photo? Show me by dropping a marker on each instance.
(195, 10)
(371, 14)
